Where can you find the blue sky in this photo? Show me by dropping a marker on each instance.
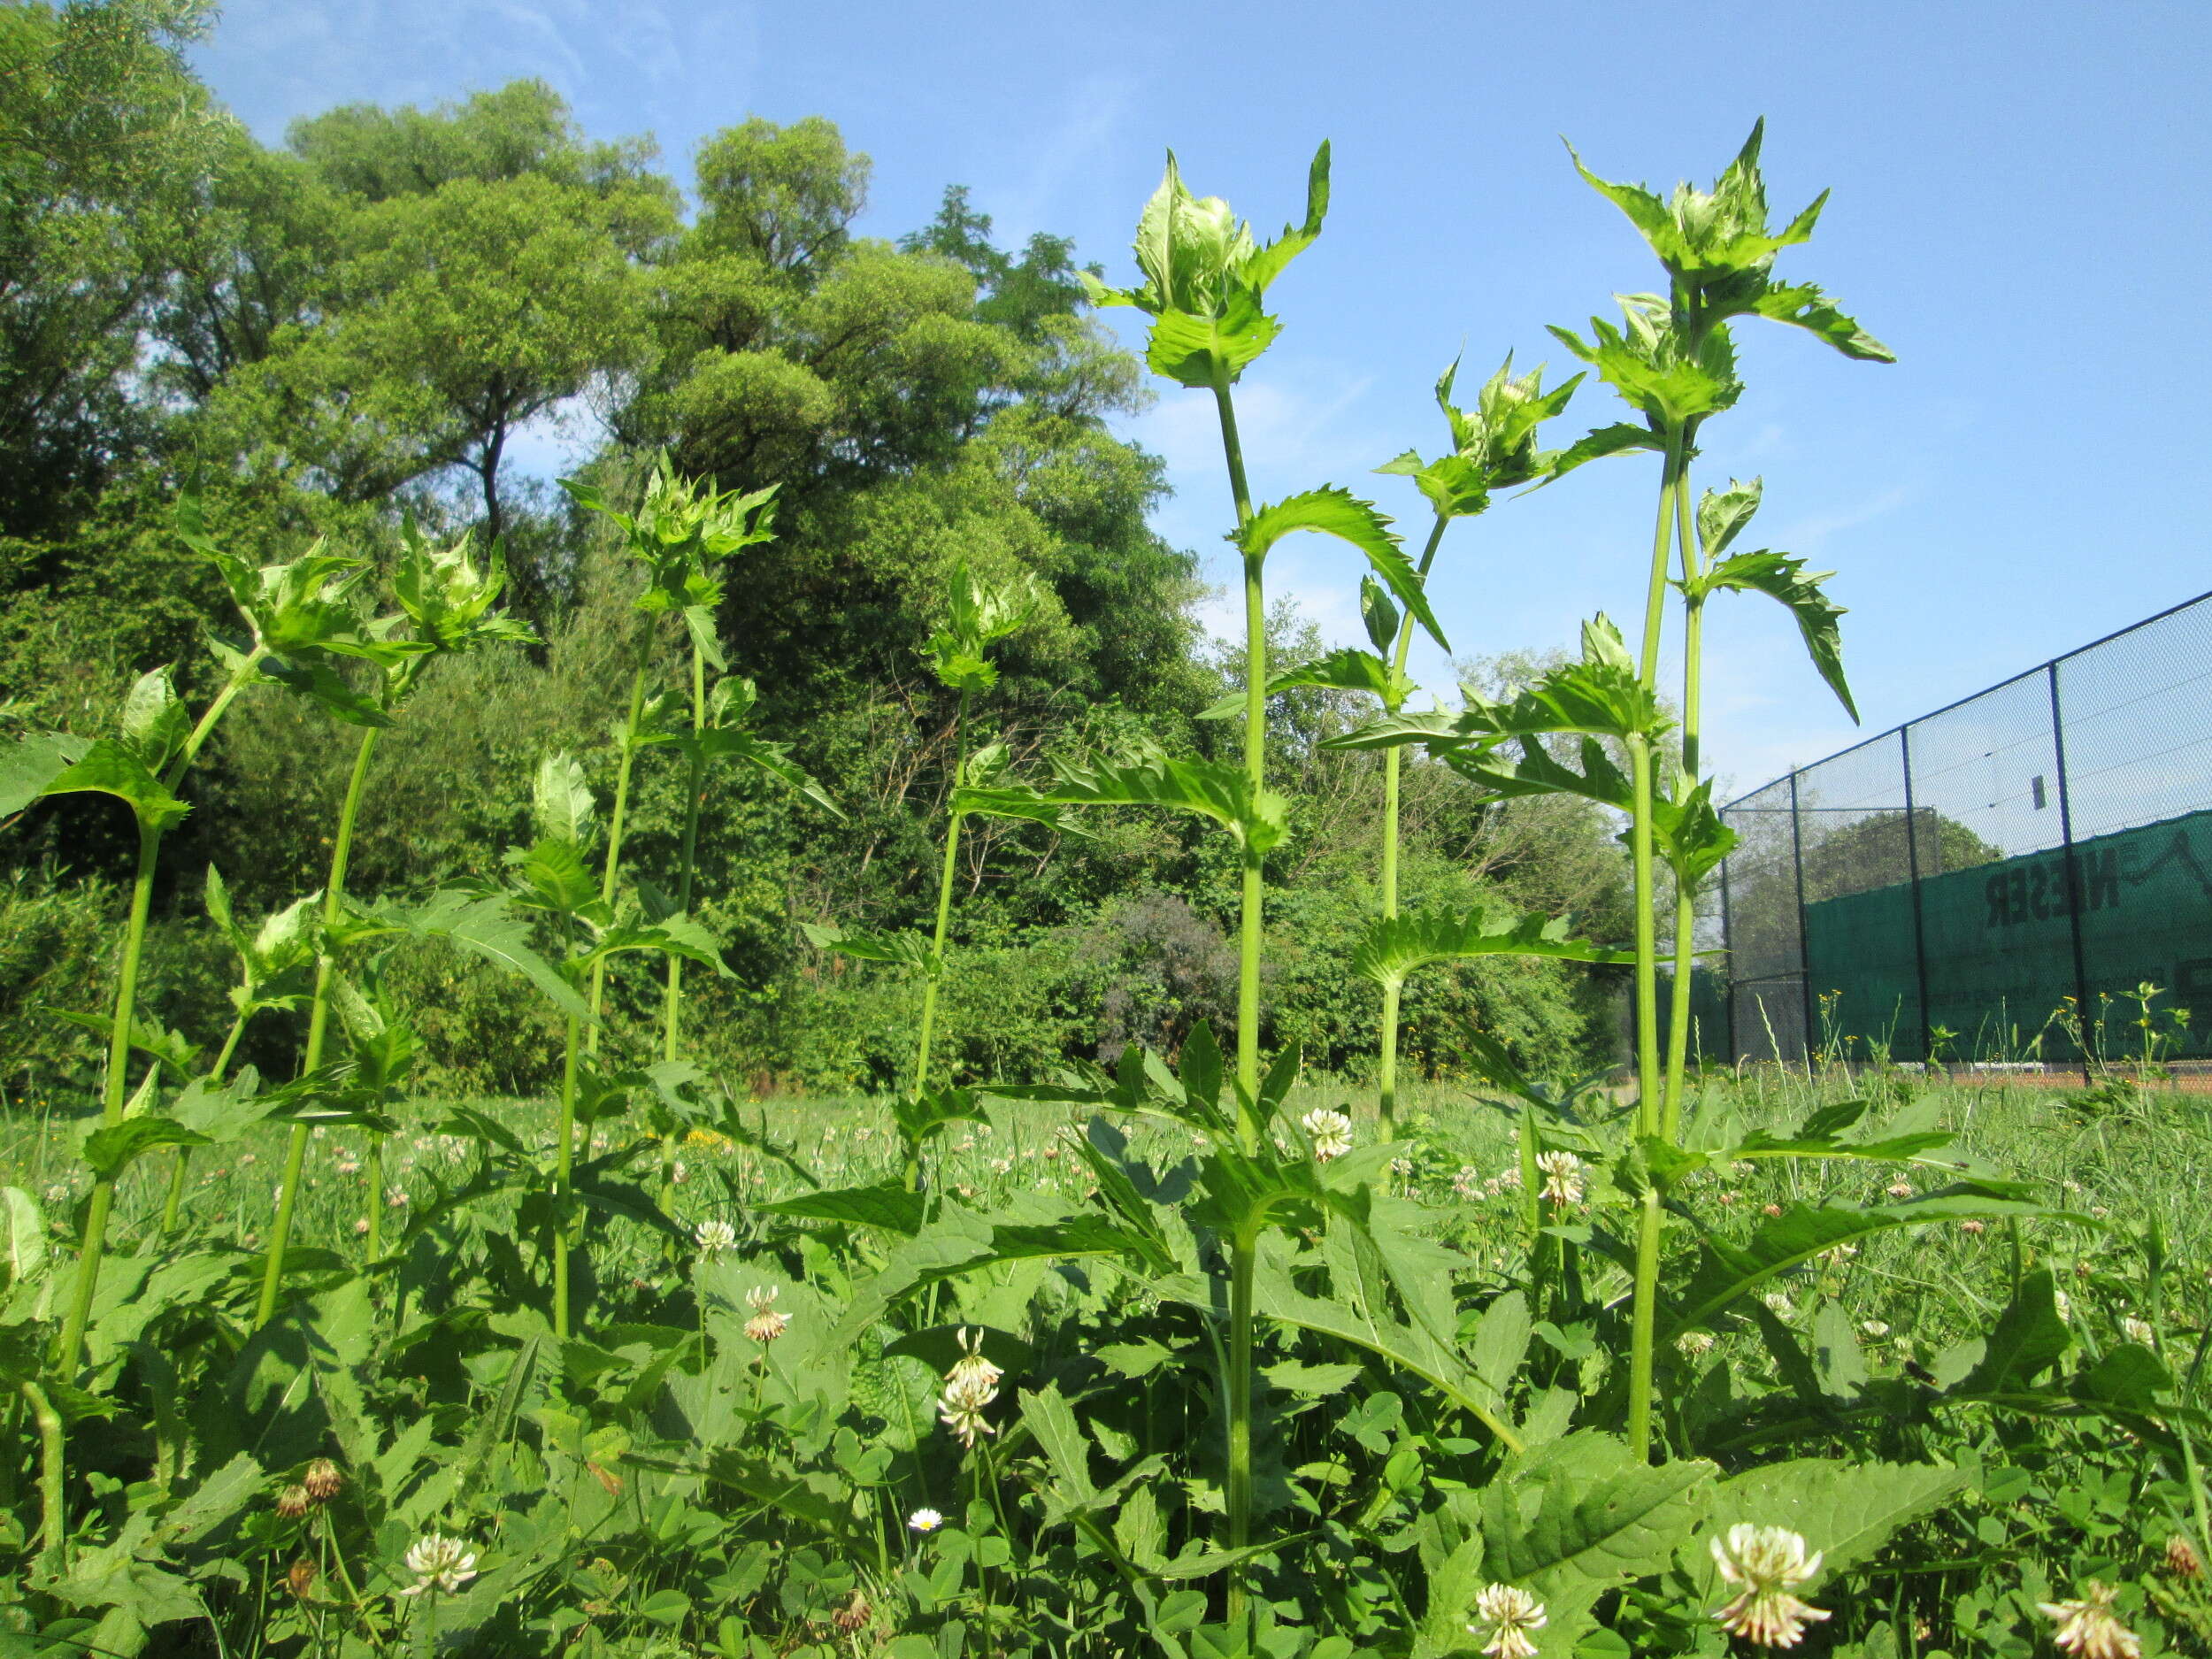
(2019, 211)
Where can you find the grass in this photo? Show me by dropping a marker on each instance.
(2117, 1165)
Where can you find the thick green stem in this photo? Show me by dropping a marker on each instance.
(563, 1163)
(944, 922)
(1685, 895)
(1643, 1330)
(695, 791)
(318, 1028)
(1242, 1254)
(611, 873)
(1243, 1260)
(372, 1187)
(1649, 1089)
(113, 1099)
(1387, 1066)
(1254, 758)
(52, 1524)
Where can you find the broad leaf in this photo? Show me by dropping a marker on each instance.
(1786, 580)
(1395, 948)
(906, 950)
(561, 807)
(1215, 789)
(1847, 1511)
(1334, 511)
(29, 764)
(1802, 1232)
(486, 926)
(886, 1204)
(109, 767)
(112, 1149)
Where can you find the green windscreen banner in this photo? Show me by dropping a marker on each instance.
(2003, 978)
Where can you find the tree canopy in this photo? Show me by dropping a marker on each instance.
(385, 318)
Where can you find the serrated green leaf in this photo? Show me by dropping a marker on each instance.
(886, 1204)
(112, 1148)
(108, 767)
(29, 764)
(910, 950)
(560, 806)
(1847, 1511)
(1802, 1232)
(1213, 789)
(1785, 581)
(1579, 1516)
(485, 926)
(1396, 947)
(1334, 511)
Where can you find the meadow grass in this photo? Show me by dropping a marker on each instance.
(2114, 1168)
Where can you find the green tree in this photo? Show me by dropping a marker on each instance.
(104, 133)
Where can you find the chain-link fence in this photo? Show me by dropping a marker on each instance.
(2024, 875)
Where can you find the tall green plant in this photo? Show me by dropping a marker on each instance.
(978, 615)
(1493, 447)
(681, 532)
(1206, 282)
(553, 878)
(297, 618)
(272, 963)
(1673, 361)
(444, 604)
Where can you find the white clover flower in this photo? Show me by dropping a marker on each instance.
(2064, 1304)
(969, 1386)
(1777, 1303)
(439, 1563)
(1873, 1330)
(1330, 1130)
(1563, 1177)
(1468, 1183)
(2088, 1627)
(1900, 1189)
(1506, 1614)
(1694, 1344)
(2139, 1331)
(1765, 1563)
(766, 1325)
(1401, 1167)
(395, 1197)
(714, 1237)
(971, 1363)
(924, 1521)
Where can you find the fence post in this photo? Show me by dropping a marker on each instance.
(2073, 874)
(1728, 967)
(1919, 927)
(1804, 960)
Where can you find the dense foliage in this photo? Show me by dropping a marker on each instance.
(358, 328)
(1107, 1321)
